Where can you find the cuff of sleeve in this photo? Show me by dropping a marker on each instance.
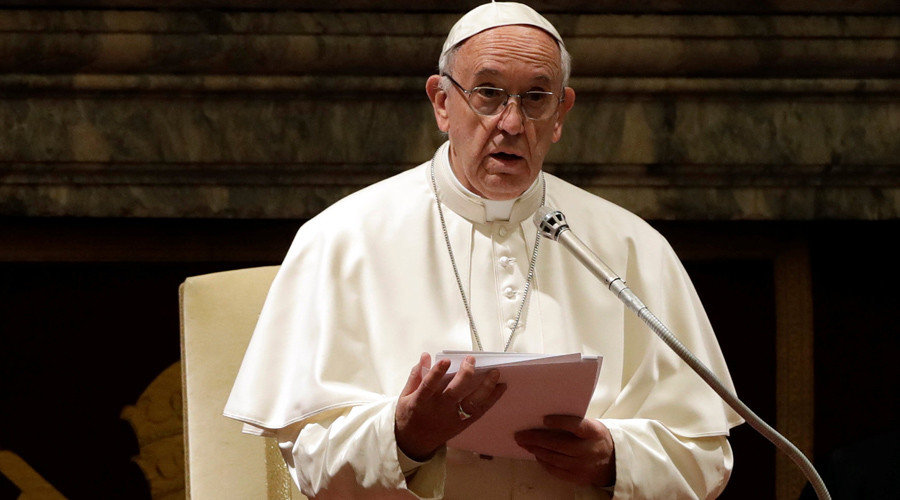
(423, 479)
(624, 487)
(409, 465)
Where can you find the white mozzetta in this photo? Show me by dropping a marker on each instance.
(367, 286)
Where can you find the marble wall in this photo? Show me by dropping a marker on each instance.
(136, 131)
(684, 110)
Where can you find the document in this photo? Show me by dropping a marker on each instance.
(536, 385)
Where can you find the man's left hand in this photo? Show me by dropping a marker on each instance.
(574, 449)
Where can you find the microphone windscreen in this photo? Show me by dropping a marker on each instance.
(550, 222)
(541, 213)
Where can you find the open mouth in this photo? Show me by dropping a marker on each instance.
(505, 156)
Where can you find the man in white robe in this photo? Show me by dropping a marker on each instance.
(369, 285)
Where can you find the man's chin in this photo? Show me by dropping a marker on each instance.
(502, 187)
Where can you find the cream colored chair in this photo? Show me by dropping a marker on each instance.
(218, 314)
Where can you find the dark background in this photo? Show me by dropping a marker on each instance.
(81, 340)
(143, 141)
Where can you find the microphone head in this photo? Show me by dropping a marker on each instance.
(550, 222)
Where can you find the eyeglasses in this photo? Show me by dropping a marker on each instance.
(490, 101)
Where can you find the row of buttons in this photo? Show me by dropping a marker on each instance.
(512, 294)
(509, 292)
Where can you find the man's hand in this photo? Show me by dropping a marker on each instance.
(574, 449)
(428, 410)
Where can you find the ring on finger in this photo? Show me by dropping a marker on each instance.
(463, 415)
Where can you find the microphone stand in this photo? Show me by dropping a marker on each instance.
(552, 224)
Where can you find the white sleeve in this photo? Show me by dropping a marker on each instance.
(353, 453)
(652, 462)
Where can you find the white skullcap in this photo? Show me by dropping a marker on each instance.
(492, 15)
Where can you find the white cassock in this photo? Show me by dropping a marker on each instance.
(367, 286)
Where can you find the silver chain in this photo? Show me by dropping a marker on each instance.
(462, 292)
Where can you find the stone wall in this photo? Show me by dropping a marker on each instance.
(130, 130)
(684, 110)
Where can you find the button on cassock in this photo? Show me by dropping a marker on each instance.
(511, 323)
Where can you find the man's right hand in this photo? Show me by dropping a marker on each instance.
(428, 414)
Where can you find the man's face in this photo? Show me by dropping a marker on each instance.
(499, 157)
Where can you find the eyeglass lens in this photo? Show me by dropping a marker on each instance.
(489, 101)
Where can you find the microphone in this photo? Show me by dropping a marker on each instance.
(552, 224)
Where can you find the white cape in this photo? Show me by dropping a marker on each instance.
(367, 286)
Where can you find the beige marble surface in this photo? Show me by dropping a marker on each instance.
(305, 43)
(644, 6)
(230, 113)
(252, 109)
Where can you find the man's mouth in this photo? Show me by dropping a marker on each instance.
(505, 156)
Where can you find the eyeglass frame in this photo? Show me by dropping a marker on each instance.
(501, 107)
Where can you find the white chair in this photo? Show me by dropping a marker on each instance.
(218, 314)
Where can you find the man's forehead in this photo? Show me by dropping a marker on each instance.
(487, 52)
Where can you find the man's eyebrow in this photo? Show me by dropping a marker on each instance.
(484, 72)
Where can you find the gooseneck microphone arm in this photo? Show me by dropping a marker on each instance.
(552, 224)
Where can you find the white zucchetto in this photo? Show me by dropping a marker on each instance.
(492, 15)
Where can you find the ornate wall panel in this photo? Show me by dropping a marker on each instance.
(785, 111)
(245, 113)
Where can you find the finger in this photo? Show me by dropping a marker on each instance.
(465, 381)
(424, 364)
(477, 398)
(558, 441)
(583, 428)
(598, 468)
(415, 375)
(556, 459)
(433, 382)
(490, 400)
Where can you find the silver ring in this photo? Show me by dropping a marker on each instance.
(463, 415)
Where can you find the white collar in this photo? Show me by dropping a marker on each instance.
(494, 210)
(476, 208)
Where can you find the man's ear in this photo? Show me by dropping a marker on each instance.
(564, 108)
(438, 100)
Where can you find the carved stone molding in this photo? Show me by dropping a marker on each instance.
(30, 484)
(335, 43)
(727, 155)
(156, 419)
(349, 86)
(221, 112)
(603, 6)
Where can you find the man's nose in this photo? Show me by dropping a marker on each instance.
(512, 121)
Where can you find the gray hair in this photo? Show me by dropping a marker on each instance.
(445, 63)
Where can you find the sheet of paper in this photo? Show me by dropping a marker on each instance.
(537, 385)
(484, 360)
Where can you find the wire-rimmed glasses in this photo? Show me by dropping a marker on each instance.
(490, 101)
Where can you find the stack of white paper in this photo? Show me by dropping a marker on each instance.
(537, 385)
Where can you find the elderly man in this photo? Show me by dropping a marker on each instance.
(444, 256)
